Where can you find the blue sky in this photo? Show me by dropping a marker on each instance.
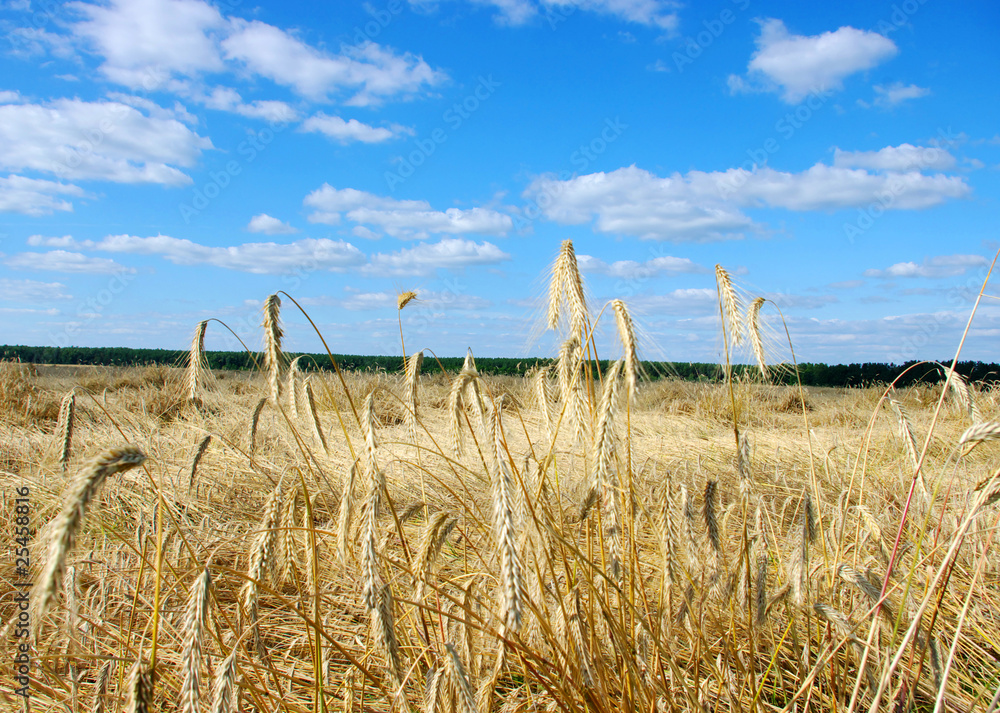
(168, 161)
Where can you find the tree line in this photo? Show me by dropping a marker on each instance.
(847, 375)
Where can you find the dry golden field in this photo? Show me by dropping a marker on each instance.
(302, 541)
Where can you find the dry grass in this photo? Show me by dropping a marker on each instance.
(437, 559)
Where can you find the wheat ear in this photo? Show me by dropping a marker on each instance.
(540, 387)
(196, 362)
(262, 565)
(67, 412)
(69, 521)
(314, 416)
(273, 356)
(383, 622)
(292, 386)
(756, 341)
(504, 498)
(963, 394)
(195, 616)
(199, 452)
(413, 367)
(435, 533)
(224, 685)
(345, 515)
(605, 476)
(626, 332)
(731, 305)
(573, 290)
(254, 419)
(140, 698)
(460, 680)
(906, 433)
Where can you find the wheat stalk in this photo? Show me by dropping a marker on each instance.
(196, 362)
(195, 615)
(70, 519)
(273, 356)
(67, 412)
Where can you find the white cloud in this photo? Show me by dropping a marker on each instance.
(351, 130)
(631, 270)
(33, 196)
(700, 206)
(143, 40)
(64, 261)
(228, 99)
(31, 291)
(256, 258)
(65, 241)
(654, 13)
(798, 65)
(9, 97)
(407, 219)
(110, 141)
(268, 225)
(373, 71)
(933, 267)
(896, 93)
(426, 258)
(905, 157)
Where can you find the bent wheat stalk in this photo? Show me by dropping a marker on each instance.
(69, 521)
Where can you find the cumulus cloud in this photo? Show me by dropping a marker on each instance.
(427, 258)
(264, 223)
(34, 196)
(902, 158)
(31, 291)
(631, 269)
(256, 258)
(888, 96)
(372, 72)
(65, 261)
(351, 130)
(654, 13)
(142, 40)
(103, 140)
(701, 206)
(797, 65)
(404, 219)
(228, 99)
(937, 266)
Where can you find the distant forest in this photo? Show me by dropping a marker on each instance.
(865, 374)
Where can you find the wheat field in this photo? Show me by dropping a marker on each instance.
(302, 540)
